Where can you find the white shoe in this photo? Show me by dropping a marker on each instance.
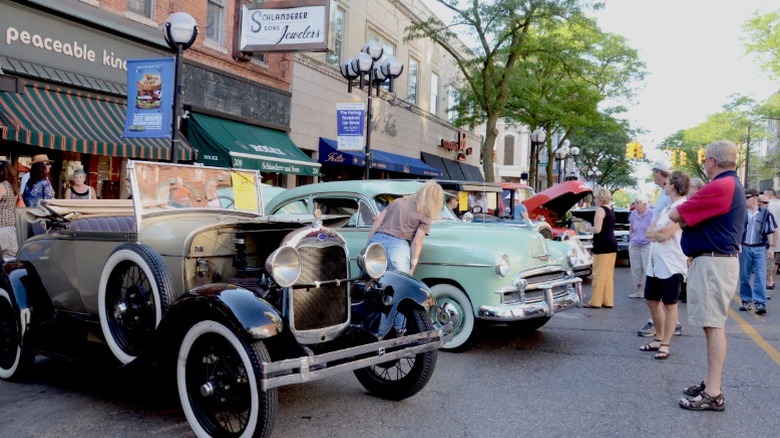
(636, 295)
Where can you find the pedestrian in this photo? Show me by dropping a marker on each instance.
(660, 173)
(40, 158)
(666, 268)
(38, 186)
(9, 193)
(639, 245)
(519, 211)
(78, 188)
(773, 256)
(452, 201)
(604, 251)
(696, 184)
(713, 222)
(759, 234)
(403, 225)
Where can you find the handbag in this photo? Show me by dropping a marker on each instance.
(20, 201)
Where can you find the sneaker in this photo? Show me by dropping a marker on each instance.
(760, 309)
(647, 331)
(678, 329)
(637, 295)
(745, 306)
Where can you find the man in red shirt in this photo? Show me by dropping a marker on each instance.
(713, 224)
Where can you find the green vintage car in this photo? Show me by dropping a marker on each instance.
(477, 272)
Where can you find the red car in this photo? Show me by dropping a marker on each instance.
(552, 204)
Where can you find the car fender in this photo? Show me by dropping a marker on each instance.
(27, 293)
(405, 288)
(253, 316)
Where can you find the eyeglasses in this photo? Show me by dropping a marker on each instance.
(765, 202)
(748, 196)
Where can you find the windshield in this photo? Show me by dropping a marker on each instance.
(163, 186)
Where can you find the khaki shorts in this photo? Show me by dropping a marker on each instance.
(712, 282)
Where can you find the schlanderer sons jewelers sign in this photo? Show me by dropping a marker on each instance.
(285, 26)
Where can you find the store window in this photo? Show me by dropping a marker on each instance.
(509, 150)
(414, 72)
(336, 36)
(143, 8)
(215, 22)
(434, 103)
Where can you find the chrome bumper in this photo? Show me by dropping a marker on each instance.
(548, 307)
(315, 367)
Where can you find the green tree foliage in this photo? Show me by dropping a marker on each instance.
(603, 147)
(501, 29)
(763, 41)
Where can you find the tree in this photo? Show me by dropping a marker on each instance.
(501, 29)
(763, 32)
(603, 147)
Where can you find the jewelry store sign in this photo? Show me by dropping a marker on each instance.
(285, 26)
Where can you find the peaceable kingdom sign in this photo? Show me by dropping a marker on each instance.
(285, 26)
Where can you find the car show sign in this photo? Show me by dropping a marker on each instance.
(351, 120)
(149, 98)
(285, 26)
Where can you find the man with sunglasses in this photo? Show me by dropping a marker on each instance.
(713, 222)
(759, 232)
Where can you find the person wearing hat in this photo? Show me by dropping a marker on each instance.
(40, 158)
(759, 233)
(38, 186)
(639, 245)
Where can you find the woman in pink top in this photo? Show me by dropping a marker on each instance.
(402, 226)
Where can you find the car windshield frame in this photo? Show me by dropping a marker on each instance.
(166, 187)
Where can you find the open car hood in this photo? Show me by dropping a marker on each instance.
(555, 201)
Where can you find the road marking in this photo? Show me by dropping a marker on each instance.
(747, 328)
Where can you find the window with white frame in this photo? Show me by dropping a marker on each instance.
(509, 150)
(414, 72)
(215, 21)
(434, 103)
(336, 37)
(143, 8)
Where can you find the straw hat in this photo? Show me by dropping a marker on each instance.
(41, 158)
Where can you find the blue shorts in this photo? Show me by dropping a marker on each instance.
(399, 253)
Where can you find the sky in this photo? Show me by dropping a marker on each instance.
(695, 59)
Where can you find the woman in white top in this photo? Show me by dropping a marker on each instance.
(666, 268)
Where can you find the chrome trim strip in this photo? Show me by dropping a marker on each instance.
(315, 367)
(551, 305)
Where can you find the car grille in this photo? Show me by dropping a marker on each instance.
(327, 305)
(534, 293)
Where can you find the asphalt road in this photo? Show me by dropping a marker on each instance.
(581, 375)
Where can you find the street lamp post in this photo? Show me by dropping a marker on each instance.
(365, 66)
(180, 31)
(594, 176)
(575, 152)
(561, 153)
(537, 139)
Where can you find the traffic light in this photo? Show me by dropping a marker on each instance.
(673, 157)
(629, 150)
(702, 154)
(683, 158)
(640, 153)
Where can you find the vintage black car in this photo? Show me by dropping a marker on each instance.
(190, 277)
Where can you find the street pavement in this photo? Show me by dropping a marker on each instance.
(581, 375)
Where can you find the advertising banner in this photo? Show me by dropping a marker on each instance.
(149, 98)
(351, 121)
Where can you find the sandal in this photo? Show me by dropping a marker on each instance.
(704, 402)
(652, 346)
(694, 390)
(663, 352)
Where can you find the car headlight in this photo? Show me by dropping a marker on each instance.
(373, 260)
(502, 265)
(573, 258)
(284, 266)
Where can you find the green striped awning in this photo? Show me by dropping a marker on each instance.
(77, 121)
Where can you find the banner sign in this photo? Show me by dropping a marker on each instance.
(285, 26)
(149, 98)
(351, 121)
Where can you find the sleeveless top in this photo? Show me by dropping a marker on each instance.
(8, 206)
(605, 242)
(83, 195)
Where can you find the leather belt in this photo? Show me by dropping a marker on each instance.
(753, 244)
(714, 254)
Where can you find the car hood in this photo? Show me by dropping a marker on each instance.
(554, 202)
(489, 239)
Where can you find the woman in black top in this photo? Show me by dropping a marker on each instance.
(604, 251)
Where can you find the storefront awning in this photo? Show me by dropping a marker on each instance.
(329, 154)
(454, 170)
(75, 121)
(228, 143)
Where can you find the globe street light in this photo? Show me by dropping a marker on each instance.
(537, 139)
(575, 152)
(561, 153)
(365, 66)
(180, 31)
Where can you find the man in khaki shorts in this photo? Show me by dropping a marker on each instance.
(712, 221)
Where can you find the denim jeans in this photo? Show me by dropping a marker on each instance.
(399, 254)
(752, 261)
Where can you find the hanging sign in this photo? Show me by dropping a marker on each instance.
(149, 98)
(285, 26)
(351, 121)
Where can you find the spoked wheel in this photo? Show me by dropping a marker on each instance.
(402, 378)
(455, 303)
(14, 362)
(136, 289)
(216, 374)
